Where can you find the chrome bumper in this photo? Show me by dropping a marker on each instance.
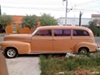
(98, 49)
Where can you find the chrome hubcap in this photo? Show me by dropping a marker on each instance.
(11, 52)
(83, 51)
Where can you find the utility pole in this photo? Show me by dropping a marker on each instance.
(66, 11)
(0, 9)
(80, 15)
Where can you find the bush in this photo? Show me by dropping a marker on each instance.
(53, 65)
(94, 28)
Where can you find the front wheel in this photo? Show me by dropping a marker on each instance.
(10, 52)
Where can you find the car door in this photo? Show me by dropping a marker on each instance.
(42, 41)
(80, 36)
(62, 40)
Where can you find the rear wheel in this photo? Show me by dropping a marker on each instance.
(10, 52)
(83, 50)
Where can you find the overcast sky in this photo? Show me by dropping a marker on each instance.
(55, 8)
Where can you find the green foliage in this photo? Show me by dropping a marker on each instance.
(53, 65)
(47, 20)
(5, 20)
(93, 27)
(30, 21)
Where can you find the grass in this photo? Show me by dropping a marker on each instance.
(54, 65)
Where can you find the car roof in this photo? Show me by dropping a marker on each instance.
(63, 27)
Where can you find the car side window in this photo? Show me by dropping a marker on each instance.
(80, 33)
(62, 32)
(43, 33)
(67, 32)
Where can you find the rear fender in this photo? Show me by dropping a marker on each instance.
(91, 46)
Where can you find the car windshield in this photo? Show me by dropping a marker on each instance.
(33, 33)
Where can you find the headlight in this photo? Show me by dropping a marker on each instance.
(98, 49)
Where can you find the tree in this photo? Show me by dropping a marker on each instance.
(5, 20)
(30, 21)
(93, 27)
(46, 20)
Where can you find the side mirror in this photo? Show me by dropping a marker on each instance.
(3, 66)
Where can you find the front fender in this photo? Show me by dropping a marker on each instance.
(91, 46)
(22, 47)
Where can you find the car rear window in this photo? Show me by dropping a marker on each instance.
(80, 33)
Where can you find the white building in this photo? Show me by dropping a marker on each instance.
(74, 21)
(96, 16)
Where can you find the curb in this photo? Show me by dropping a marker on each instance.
(2, 34)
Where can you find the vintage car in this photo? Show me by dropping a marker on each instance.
(50, 39)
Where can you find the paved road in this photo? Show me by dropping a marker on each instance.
(1, 38)
(28, 64)
(23, 66)
(97, 39)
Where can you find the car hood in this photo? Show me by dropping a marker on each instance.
(17, 37)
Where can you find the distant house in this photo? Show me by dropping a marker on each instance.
(17, 26)
(96, 16)
(74, 21)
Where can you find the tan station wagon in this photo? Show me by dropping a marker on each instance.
(50, 39)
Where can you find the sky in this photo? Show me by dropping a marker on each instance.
(55, 8)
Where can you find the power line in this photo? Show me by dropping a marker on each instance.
(84, 3)
(39, 8)
(86, 9)
(46, 3)
(36, 3)
(57, 9)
